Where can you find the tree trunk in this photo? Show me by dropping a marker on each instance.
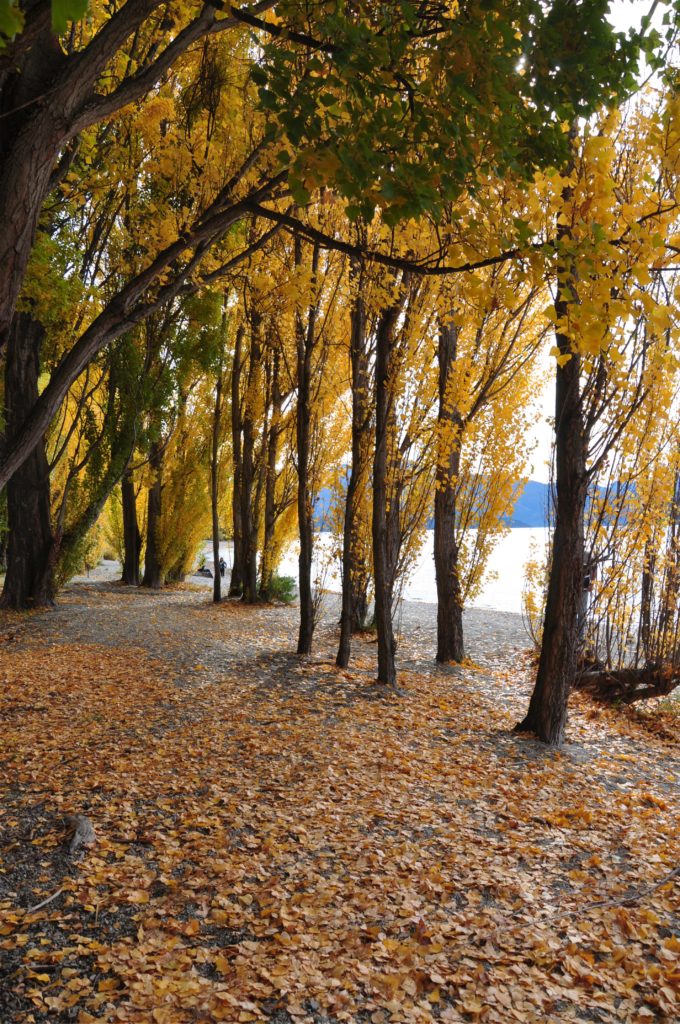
(354, 602)
(547, 714)
(153, 576)
(306, 340)
(120, 423)
(249, 509)
(267, 571)
(214, 489)
(450, 645)
(238, 564)
(31, 545)
(384, 556)
(132, 538)
(667, 640)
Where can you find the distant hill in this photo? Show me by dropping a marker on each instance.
(531, 506)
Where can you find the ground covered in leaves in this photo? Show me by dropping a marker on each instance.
(279, 841)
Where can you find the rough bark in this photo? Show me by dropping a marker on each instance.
(132, 538)
(385, 505)
(547, 714)
(450, 645)
(153, 575)
(31, 545)
(354, 603)
(47, 97)
(306, 341)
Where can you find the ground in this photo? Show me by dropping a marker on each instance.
(279, 840)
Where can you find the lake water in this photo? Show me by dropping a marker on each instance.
(504, 578)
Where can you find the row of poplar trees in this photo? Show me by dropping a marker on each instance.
(248, 252)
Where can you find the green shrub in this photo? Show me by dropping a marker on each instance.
(282, 588)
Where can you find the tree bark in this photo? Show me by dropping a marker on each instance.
(31, 546)
(132, 538)
(273, 435)
(385, 507)
(547, 714)
(249, 508)
(450, 646)
(46, 98)
(238, 564)
(306, 341)
(214, 488)
(153, 576)
(354, 603)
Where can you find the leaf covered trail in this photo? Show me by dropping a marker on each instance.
(277, 840)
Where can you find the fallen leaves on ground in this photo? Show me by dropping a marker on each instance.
(283, 842)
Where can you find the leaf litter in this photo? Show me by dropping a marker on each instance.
(271, 845)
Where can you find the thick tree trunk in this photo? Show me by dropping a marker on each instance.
(238, 564)
(31, 546)
(132, 538)
(354, 602)
(306, 341)
(547, 714)
(29, 157)
(46, 99)
(450, 646)
(214, 489)
(385, 507)
(267, 570)
(153, 576)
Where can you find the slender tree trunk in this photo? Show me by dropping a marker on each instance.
(547, 714)
(273, 435)
(306, 340)
(249, 509)
(354, 602)
(31, 546)
(132, 538)
(153, 576)
(214, 489)
(238, 564)
(383, 511)
(450, 646)
(666, 645)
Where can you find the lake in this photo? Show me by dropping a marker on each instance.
(504, 578)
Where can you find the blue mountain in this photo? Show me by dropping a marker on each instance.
(532, 505)
(531, 509)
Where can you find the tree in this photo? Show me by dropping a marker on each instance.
(490, 329)
(597, 294)
(373, 73)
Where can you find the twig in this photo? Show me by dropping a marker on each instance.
(633, 897)
(623, 901)
(39, 906)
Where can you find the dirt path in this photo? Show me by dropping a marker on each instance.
(279, 840)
